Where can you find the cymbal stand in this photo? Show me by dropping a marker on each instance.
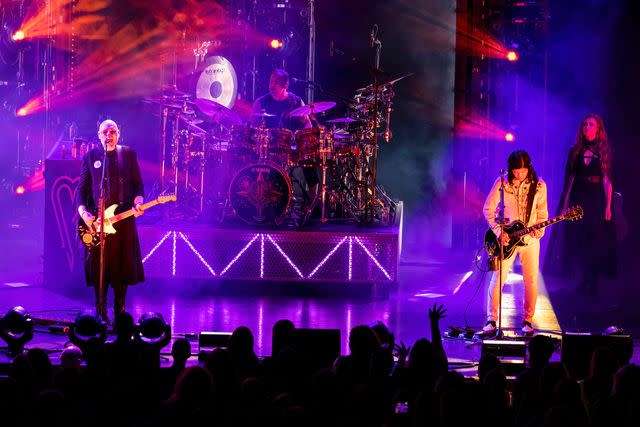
(370, 192)
(326, 150)
(203, 161)
(163, 139)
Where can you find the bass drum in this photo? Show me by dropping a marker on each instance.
(260, 193)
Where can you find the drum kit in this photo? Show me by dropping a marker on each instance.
(220, 164)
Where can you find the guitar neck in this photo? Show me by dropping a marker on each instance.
(127, 214)
(537, 226)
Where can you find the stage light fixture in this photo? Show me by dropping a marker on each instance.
(85, 327)
(18, 36)
(20, 190)
(276, 43)
(16, 329)
(512, 56)
(21, 112)
(153, 330)
(509, 137)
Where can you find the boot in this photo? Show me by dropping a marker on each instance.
(101, 303)
(120, 294)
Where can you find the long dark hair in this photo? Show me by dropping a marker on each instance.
(521, 159)
(601, 143)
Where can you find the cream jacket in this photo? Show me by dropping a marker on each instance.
(515, 200)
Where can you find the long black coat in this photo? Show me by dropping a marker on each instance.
(123, 259)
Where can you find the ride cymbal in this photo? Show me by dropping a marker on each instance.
(218, 112)
(314, 107)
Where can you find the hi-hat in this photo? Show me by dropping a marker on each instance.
(342, 120)
(314, 107)
(218, 112)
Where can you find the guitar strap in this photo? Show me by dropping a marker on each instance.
(120, 176)
(532, 193)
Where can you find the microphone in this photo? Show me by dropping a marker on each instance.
(503, 172)
(296, 80)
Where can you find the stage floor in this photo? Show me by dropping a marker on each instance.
(443, 277)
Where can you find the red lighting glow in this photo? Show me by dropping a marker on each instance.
(275, 44)
(124, 63)
(477, 126)
(512, 56)
(17, 36)
(509, 137)
(482, 44)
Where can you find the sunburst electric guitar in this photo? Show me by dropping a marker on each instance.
(517, 230)
(90, 236)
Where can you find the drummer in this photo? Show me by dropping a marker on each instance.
(279, 102)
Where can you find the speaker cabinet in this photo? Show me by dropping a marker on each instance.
(577, 349)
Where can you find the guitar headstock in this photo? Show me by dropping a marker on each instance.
(573, 213)
(167, 198)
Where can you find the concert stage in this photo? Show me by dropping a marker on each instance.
(343, 254)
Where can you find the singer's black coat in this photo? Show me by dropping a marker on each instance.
(123, 260)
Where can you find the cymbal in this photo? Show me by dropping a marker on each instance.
(342, 120)
(397, 79)
(262, 114)
(192, 124)
(167, 102)
(218, 112)
(384, 85)
(172, 91)
(217, 81)
(341, 134)
(314, 107)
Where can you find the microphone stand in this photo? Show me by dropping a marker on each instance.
(501, 220)
(101, 303)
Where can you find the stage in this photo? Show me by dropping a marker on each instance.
(194, 300)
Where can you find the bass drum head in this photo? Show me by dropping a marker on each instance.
(260, 193)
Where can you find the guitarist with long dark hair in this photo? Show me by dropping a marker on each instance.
(525, 199)
(123, 187)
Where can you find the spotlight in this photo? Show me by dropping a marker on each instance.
(512, 56)
(16, 329)
(18, 36)
(276, 43)
(153, 330)
(85, 327)
(509, 137)
(21, 112)
(20, 190)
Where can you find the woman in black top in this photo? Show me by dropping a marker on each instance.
(590, 243)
